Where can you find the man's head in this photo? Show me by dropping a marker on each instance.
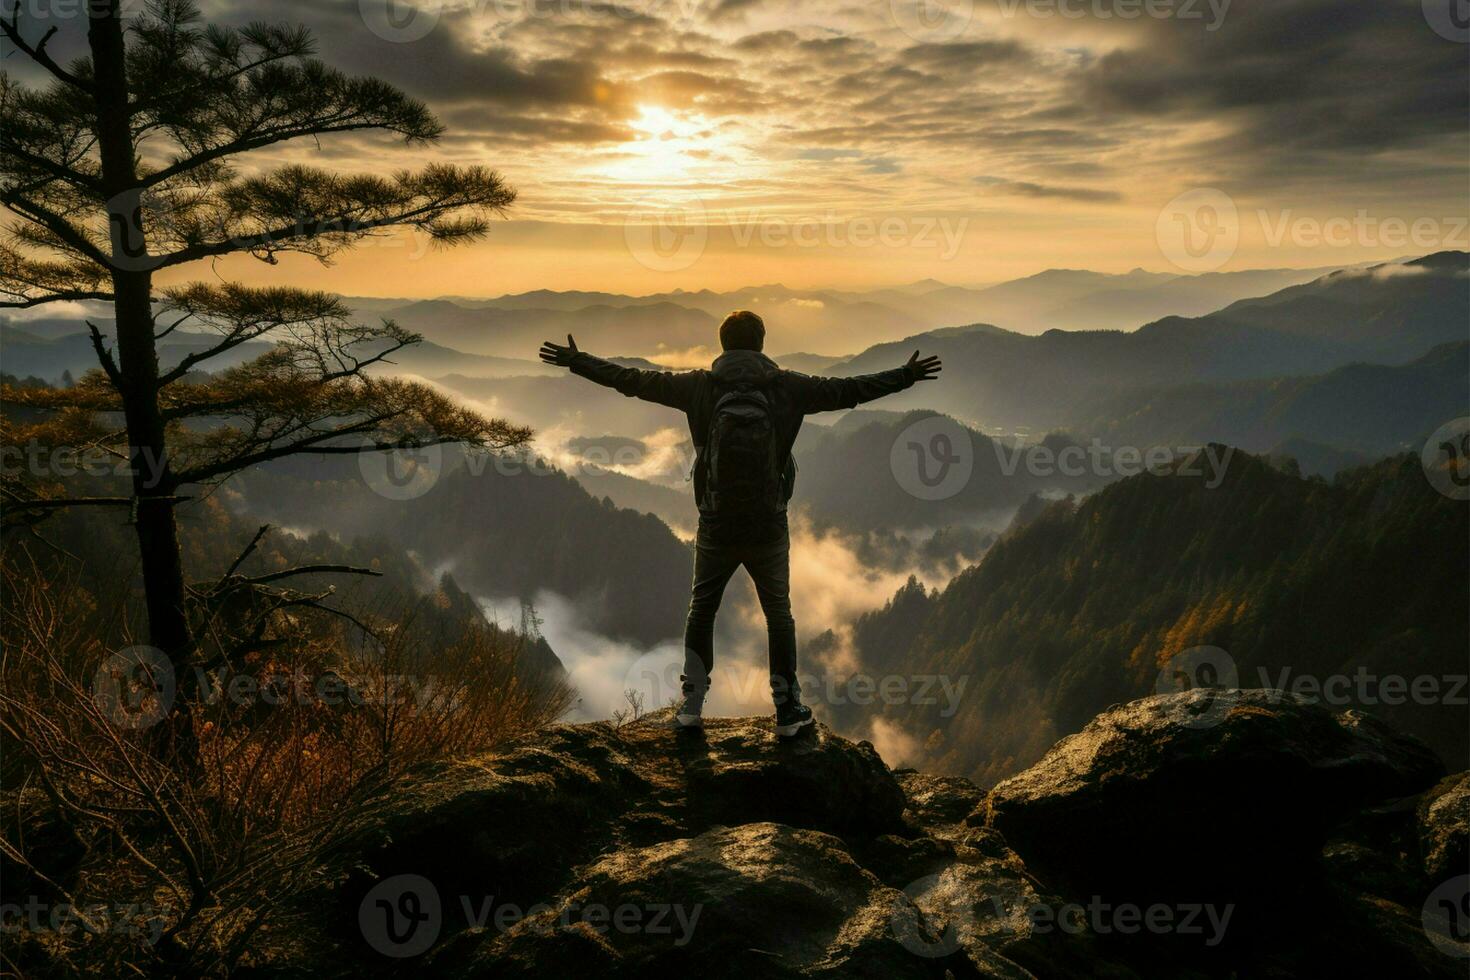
(742, 330)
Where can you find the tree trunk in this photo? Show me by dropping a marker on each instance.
(158, 542)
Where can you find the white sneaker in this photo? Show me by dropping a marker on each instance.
(690, 713)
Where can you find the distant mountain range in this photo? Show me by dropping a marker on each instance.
(501, 529)
(678, 327)
(832, 322)
(46, 354)
(1390, 314)
(1338, 370)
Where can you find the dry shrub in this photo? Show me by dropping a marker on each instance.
(189, 855)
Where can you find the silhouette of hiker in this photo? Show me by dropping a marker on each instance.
(744, 414)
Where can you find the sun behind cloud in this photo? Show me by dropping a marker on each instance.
(669, 146)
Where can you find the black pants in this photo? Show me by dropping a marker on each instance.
(767, 557)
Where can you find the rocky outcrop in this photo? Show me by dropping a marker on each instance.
(1443, 825)
(638, 850)
(1178, 794)
(761, 899)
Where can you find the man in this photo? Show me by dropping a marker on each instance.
(744, 414)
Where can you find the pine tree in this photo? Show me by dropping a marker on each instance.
(125, 165)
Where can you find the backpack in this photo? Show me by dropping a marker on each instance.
(743, 473)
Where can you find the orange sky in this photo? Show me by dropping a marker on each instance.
(663, 144)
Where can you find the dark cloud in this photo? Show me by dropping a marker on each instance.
(968, 55)
(1339, 77)
(1026, 188)
(478, 122)
(1340, 92)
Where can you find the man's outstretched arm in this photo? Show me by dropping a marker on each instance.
(831, 394)
(661, 387)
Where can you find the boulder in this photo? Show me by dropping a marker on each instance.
(1443, 823)
(515, 823)
(1191, 796)
(939, 805)
(640, 850)
(759, 900)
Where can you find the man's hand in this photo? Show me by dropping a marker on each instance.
(557, 354)
(921, 370)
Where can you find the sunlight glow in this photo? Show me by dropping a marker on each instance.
(670, 146)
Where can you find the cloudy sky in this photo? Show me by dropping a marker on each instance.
(668, 144)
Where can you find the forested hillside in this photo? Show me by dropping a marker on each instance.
(1294, 578)
(503, 530)
(845, 476)
(1365, 408)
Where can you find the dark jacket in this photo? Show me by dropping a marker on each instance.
(793, 396)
